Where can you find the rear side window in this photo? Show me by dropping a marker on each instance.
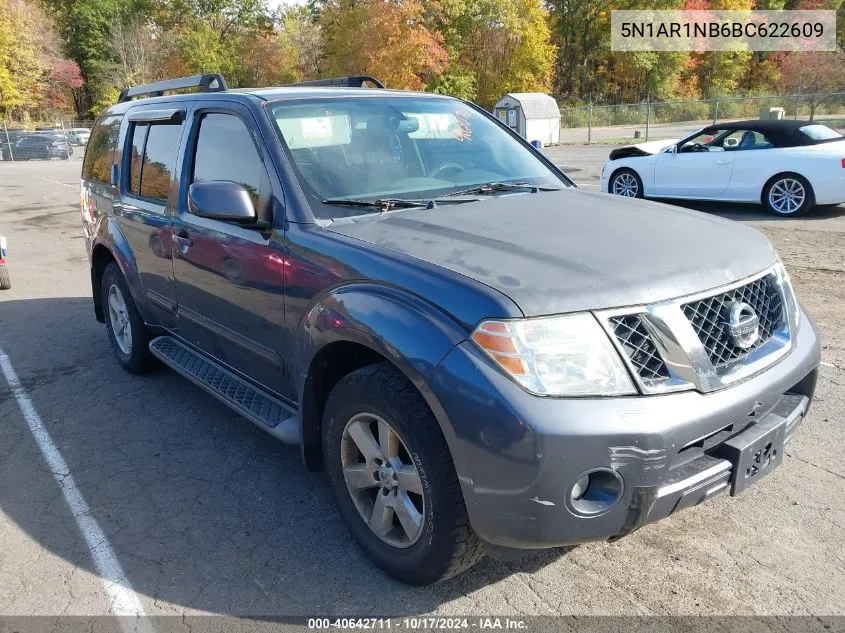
(153, 157)
(139, 137)
(159, 157)
(225, 151)
(99, 153)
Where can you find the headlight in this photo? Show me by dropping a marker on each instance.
(792, 309)
(566, 355)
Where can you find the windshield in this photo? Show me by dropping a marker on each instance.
(819, 132)
(366, 148)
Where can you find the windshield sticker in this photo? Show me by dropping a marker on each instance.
(316, 128)
(311, 132)
(464, 126)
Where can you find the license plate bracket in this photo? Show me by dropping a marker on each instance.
(755, 453)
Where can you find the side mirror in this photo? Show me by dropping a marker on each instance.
(672, 149)
(221, 200)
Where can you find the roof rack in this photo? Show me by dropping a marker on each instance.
(355, 81)
(209, 82)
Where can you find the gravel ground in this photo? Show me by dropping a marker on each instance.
(207, 514)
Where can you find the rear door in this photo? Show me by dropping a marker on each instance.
(152, 135)
(229, 278)
(99, 192)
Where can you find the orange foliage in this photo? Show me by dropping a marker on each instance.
(383, 38)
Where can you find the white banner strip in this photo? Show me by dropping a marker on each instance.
(705, 30)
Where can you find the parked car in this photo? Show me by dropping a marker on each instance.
(42, 146)
(8, 138)
(787, 166)
(79, 135)
(481, 356)
(5, 278)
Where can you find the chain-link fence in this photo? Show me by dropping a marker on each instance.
(675, 119)
(46, 140)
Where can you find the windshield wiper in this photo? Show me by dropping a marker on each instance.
(388, 204)
(493, 187)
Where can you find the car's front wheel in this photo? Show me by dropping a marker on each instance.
(627, 183)
(128, 334)
(788, 195)
(393, 477)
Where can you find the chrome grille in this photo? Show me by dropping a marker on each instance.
(708, 317)
(640, 349)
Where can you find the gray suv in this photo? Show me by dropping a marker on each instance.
(480, 355)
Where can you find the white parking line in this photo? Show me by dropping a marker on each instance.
(63, 184)
(123, 601)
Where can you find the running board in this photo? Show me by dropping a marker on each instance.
(255, 404)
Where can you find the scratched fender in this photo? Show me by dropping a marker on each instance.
(412, 333)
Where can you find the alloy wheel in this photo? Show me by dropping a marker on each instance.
(787, 196)
(626, 185)
(382, 480)
(119, 317)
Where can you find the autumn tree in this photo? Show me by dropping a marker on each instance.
(24, 63)
(814, 75)
(383, 38)
(301, 30)
(33, 76)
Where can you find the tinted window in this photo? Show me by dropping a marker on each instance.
(225, 151)
(159, 157)
(139, 136)
(98, 155)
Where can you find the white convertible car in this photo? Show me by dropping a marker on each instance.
(788, 166)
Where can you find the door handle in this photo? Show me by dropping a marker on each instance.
(723, 162)
(183, 241)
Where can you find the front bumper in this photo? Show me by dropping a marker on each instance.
(518, 455)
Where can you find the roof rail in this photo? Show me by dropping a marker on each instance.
(209, 82)
(355, 81)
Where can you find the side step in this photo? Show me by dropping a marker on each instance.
(258, 406)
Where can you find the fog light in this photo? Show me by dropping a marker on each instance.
(595, 492)
(580, 487)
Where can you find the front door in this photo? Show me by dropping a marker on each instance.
(229, 277)
(700, 168)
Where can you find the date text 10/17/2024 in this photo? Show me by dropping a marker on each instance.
(418, 624)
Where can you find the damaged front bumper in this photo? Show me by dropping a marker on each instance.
(519, 456)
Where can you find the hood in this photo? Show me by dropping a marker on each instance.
(642, 149)
(571, 250)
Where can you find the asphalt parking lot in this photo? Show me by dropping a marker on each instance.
(207, 514)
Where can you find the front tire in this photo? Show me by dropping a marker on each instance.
(129, 336)
(393, 478)
(5, 278)
(626, 183)
(788, 195)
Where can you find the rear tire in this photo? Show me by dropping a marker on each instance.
(441, 542)
(626, 183)
(128, 335)
(788, 195)
(5, 278)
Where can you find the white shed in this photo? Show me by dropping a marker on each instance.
(533, 115)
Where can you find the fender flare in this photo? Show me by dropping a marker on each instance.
(408, 331)
(108, 235)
